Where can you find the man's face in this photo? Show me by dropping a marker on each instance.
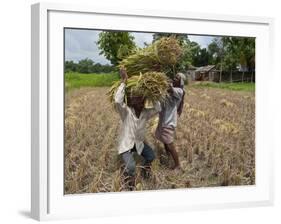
(136, 102)
(177, 81)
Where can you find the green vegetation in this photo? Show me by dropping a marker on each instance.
(87, 66)
(227, 53)
(77, 80)
(116, 46)
(230, 86)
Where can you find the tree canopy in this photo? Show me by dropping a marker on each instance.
(230, 52)
(87, 66)
(115, 45)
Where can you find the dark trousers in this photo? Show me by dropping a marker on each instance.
(130, 163)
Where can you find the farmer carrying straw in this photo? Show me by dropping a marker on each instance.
(167, 124)
(134, 117)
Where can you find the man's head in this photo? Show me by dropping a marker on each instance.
(136, 102)
(178, 81)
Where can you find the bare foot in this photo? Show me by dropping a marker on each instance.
(176, 167)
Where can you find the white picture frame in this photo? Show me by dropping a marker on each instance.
(47, 198)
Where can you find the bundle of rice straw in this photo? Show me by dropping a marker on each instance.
(155, 57)
(144, 60)
(168, 50)
(152, 86)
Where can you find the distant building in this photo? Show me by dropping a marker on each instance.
(210, 73)
(205, 73)
(190, 73)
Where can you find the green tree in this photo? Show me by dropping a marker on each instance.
(201, 58)
(194, 49)
(70, 66)
(115, 45)
(241, 49)
(217, 51)
(88, 66)
(230, 52)
(244, 52)
(189, 48)
(85, 65)
(191, 51)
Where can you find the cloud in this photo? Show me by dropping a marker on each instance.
(141, 38)
(81, 43)
(203, 41)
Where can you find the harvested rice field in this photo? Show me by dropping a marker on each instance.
(215, 139)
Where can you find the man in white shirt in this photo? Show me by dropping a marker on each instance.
(167, 124)
(134, 117)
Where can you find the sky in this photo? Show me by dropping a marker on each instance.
(81, 44)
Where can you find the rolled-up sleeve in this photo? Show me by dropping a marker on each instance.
(120, 106)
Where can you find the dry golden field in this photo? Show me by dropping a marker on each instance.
(215, 140)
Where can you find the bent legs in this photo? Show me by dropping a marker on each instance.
(149, 156)
(130, 168)
(130, 164)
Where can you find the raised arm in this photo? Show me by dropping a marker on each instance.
(177, 86)
(177, 92)
(120, 94)
(120, 106)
